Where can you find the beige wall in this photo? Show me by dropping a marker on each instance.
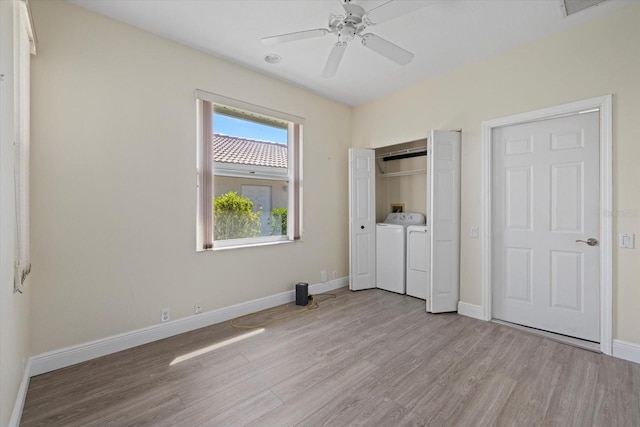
(114, 193)
(594, 59)
(14, 308)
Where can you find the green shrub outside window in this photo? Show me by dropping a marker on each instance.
(233, 217)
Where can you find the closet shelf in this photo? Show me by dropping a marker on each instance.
(403, 173)
(403, 154)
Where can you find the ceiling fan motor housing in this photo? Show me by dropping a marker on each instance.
(349, 25)
(346, 33)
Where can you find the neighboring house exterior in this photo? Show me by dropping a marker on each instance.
(255, 169)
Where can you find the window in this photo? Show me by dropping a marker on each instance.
(249, 174)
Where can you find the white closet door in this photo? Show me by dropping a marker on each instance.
(362, 219)
(444, 220)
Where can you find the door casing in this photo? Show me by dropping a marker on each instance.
(604, 104)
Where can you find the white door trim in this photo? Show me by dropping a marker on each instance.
(604, 103)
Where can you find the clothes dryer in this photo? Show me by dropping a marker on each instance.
(418, 261)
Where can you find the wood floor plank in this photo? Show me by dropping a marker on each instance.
(429, 392)
(146, 413)
(350, 405)
(369, 341)
(206, 408)
(484, 405)
(393, 371)
(440, 357)
(293, 411)
(247, 411)
(572, 398)
(121, 395)
(531, 397)
(269, 372)
(305, 379)
(363, 358)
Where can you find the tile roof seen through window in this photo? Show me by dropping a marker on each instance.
(243, 151)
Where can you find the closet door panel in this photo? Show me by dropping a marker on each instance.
(444, 218)
(362, 219)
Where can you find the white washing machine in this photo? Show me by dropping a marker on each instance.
(391, 250)
(418, 261)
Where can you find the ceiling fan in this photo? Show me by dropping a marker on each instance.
(353, 24)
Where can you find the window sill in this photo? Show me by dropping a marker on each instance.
(250, 245)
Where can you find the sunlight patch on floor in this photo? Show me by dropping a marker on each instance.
(216, 346)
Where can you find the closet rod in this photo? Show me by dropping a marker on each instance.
(422, 149)
(404, 156)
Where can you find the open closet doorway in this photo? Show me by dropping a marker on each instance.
(422, 178)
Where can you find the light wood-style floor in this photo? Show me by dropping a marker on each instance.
(365, 358)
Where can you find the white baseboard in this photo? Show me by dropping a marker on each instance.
(320, 288)
(626, 350)
(68, 356)
(16, 415)
(471, 310)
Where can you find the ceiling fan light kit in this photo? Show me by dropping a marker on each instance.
(351, 25)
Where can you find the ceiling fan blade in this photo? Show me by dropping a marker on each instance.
(393, 9)
(334, 60)
(387, 49)
(290, 37)
(352, 9)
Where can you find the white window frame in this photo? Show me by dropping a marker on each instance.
(206, 172)
(24, 45)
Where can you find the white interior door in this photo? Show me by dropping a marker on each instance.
(545, 198)
(362, 219)
(444, 220)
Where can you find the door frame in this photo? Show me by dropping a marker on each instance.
(604, 103)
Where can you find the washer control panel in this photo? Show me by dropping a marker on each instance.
(405, 219)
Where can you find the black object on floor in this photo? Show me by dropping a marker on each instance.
(302, 294)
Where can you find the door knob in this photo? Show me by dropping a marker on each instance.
(362, 227)
(590, 241)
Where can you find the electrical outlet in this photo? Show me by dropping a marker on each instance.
(165, 315)
(197, 308)
(335, 275)
(474, 232)
(323, 276)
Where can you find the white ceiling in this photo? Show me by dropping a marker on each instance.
(443, 36)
